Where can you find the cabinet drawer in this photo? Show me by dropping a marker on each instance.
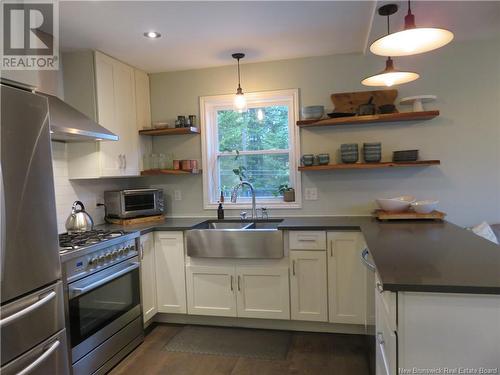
(307, 240)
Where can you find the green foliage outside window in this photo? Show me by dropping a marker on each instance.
(259, 129)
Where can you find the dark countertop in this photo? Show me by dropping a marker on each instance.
(409, 256)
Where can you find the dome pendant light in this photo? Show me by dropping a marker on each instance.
(412, 40)
(389, 76)
(240, 102)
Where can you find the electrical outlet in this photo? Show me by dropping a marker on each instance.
(177, 195)
(311, 194)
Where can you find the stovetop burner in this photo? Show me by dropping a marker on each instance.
(73, 241)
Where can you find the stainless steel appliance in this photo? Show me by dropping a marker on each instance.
(125, 204)
(79, 220)
(102, 295)
(32, 313)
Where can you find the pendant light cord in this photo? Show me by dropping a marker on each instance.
(239, 86)
(409, 7)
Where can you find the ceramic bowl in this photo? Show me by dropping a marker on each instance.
(313, 112)
(424, 207)
(396, 204)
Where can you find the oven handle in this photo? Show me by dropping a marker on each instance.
(75, 291)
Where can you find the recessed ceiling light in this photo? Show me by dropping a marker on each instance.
(152, 34)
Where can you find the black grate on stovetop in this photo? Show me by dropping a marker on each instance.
(76, 240)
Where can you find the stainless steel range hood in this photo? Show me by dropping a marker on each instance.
(70, 125)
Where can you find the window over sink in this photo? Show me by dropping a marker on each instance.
(261, 144)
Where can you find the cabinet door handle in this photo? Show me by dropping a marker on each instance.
(293, 267)
(239, 289)
(331, 248)
(231, 283)
(142, 251)
(124, 161)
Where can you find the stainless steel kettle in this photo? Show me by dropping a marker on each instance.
(79, 220)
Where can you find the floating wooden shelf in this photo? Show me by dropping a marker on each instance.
(420, 163)
(157, 172)
(169, 131)
(371, 119)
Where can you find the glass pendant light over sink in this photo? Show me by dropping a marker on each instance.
(389, 76)
(240, 102)
(412, 40)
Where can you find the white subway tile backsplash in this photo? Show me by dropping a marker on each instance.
(90, 192)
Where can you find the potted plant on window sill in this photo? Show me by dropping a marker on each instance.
(287, 192)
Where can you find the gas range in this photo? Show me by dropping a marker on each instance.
(85, 252)
(100, 272)
(77, 240)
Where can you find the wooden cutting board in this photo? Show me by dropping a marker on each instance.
(135, 221)
(409, 215)
(350, 101)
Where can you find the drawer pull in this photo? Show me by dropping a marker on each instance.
(18, 315)
(293, 267)
(40, 359)
(231, 283)
(364, 258)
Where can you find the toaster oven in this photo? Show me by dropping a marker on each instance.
(125, 204)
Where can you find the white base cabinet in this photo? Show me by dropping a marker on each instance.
(148, 276)
(211, 290)
(170, 275)
(240, 288)
(308, 286)
(263, 292)
(347, 278)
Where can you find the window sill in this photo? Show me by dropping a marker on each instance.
(246, 206)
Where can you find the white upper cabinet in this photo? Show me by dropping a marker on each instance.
(119, 99)
(308, 285)
(148, 277)
(347, 285)
(142, 99)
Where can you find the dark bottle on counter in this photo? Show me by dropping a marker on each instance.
(220, 212)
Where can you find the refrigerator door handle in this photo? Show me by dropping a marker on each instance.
(27, 310)
(2, 224)
(40, 359)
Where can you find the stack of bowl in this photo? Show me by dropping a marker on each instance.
(349, 152)
(313, 112)
(372, 152)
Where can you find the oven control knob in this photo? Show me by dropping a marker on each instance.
(114, 254)
(126, 250)
(108, 256)
(92, 261)
(120, 252)
(101, 259)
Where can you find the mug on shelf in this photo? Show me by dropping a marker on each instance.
(307, 160)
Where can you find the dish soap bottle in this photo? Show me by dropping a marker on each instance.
(220, 212)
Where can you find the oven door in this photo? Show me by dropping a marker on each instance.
(102, 304)
(141, 202)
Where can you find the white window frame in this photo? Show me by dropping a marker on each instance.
(209, 105)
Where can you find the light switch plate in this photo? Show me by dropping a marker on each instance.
(177, 195)
(311, 194)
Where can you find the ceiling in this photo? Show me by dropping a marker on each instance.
(204, 34)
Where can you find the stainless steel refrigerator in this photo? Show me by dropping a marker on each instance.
(33, 338)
